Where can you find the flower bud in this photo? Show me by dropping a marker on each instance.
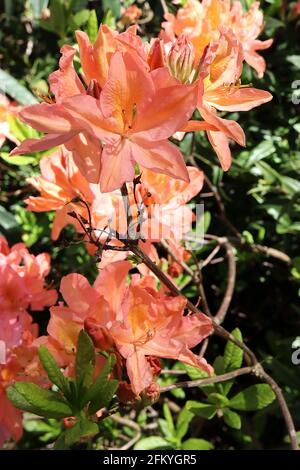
(181, 59)
(99, 334)
(175, 269)
(125, 393)
(69, 422)
(151, 394)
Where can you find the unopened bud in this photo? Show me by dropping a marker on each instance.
(99, 334)
(151, 394)
(181, 59)
(70, 422)
(175, 269)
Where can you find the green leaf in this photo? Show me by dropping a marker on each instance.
(153, 443)
(253, 398)
(295, 60)
(183, 421)
(7, 220)
(218, 365)
(169, 418)
(97, 390)
(195, 373)
(85, 358)
(232, 419)
(57, 23)
(113, 5)
(105, 394)
(164, 428)
(13, 88)
(204, 410)
(17, 160)
(233, 355)
(218, 399)
(261, 151)
(83, 429)
(21, 130)
(60, 443)
(92, 26)
(30, 397)
(197, 444)
(77, 20)
(53, 371)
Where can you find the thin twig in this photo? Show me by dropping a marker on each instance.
(164, 6)
(223, 241)
(283, 407)
(131, 424)
(209, 380)
(211, 256)
(173, 371)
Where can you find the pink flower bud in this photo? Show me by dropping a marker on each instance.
(181, 59)
(150, 394)
(99, 334)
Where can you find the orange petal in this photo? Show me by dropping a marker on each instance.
(117, 165)
(220, 144)
(45, 143)
(160, 119)
(78, 293)
(163, 157)
(65, 81)
(238, 99)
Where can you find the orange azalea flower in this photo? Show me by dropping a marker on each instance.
(131, 14)
(19, 363)
(169, 216)
(247, 27)
(27, 273)
(135, 321)
(131, 117)
(22, 284)
(220, 78)
(200, 21)
(95, 58)
(296, 9)
(59, 183)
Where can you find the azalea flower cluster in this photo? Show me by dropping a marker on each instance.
(66, 191)
(136, 95)
(137, 322)
(111, 122)
(22, 289)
